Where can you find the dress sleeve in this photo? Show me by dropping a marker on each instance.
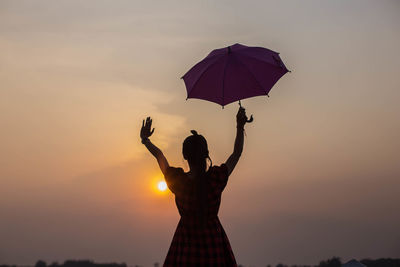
(220, 177)
(173, 178)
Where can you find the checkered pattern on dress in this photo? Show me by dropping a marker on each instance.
(195, 244)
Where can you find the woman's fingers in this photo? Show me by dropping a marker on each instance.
(242, 117)
(146, 127)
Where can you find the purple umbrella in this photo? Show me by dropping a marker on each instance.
(233, 73)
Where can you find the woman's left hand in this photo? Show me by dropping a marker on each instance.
(146, 131)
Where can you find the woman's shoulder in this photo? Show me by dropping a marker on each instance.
(174, 171)
(218, 168)
(219, 176)
(173, 176)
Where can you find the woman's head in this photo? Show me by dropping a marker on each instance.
(195, 147)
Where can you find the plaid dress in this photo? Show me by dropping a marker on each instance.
(196, 244)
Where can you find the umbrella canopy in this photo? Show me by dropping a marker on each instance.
(233, 73)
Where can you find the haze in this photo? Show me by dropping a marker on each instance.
(319, 175)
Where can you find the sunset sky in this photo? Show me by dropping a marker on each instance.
(319, 175)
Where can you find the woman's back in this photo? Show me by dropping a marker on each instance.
(186, 191)
(197, 242)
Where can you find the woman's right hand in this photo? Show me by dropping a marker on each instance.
(241, 117)
(146, 131)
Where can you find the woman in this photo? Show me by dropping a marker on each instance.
(199, 239)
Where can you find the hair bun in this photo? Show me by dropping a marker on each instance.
(194, 132)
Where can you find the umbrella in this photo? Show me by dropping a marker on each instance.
(233, 73)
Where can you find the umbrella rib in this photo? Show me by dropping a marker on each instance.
(201, 75)
(266, 62)
(223, 83)
(206, 58)
(254, 77)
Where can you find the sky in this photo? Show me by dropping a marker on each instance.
(319, 174)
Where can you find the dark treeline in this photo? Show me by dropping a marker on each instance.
(333, 262)
(73, 263)
(336, 262)
(382, 262)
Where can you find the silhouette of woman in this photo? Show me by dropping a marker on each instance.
(199, 239)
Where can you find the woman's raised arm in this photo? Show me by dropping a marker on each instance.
(241, 120)
(145, 133)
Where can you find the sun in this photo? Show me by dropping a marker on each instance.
(162, 186)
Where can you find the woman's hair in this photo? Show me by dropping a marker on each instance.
(195, 147)
(195, 151)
